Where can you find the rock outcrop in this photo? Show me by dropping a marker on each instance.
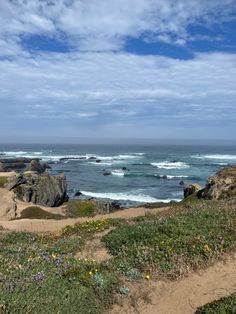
(8, 205)
(22, 164)
(35, 165)
(41, 189)
(191, 188)
(222, 185)
(3, 167)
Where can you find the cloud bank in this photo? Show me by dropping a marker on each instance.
(94, 87)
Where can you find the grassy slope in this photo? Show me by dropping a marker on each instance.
(169, 244)
(3, 180)
(39, 274)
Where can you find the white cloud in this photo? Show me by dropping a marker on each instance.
(99, 25)
(116, 87)
(100, 92)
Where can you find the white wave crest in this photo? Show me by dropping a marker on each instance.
(141, 198)
(118, 173)
(170, 165)
(216, 156)
(101, 163)
(171, 177)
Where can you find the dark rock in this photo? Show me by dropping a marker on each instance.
(46, 166)
(16, 164)
(116, 205)
(3, 167)
(125, 169)
(181, 183)
(106, 173)
(28, 195)
(92, 158)
(41, 189)
(19, 165)
(78, 193)
(16, 160)
(191, 188)
(15, 182)
(98, 160)
(35, 165)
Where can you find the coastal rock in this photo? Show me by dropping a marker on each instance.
(106, 173)
(35, 165)
(41, 189)
(222, 185)
(8, 205)
(3, 167)
(191, 188)
(78, 193)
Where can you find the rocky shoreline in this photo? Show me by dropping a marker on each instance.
(33, 186)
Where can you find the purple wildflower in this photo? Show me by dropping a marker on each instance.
(38, 277)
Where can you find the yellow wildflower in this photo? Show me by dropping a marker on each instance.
(148, 277)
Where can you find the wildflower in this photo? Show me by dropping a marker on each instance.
(38, 277)
(148, 277)
(54, 256)
(206, 248)
(90, 273)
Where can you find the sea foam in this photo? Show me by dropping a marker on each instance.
(170, 165)
(141, 198)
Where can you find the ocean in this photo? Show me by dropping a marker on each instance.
(136, 174)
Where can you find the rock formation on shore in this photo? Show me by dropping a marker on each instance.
(222, 185)
(191, 188)
(22, 164)
(41, 189)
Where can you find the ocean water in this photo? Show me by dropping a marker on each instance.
(153, 172)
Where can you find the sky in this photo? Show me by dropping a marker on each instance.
(97, 69)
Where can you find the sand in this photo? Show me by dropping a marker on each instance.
(51, 225)
(183, 296)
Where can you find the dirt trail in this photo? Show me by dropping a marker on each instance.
(51, 225)
(186, 295)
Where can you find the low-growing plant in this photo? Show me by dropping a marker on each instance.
(3, 181)
(225, 305)
(36, 212)
(39, 274)
(169, 244)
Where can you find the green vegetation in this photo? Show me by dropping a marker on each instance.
(3, 180)
(225, 305)
(42, 273)
(35, 212)
(39, 273)
(83, 208)
(168, 244)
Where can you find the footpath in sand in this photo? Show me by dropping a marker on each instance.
(51, 225)
(182, 296)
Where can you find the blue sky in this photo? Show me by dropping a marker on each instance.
(160, 69)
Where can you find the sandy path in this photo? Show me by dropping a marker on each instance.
(8, 174)
(45, 225)
(186, 295)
